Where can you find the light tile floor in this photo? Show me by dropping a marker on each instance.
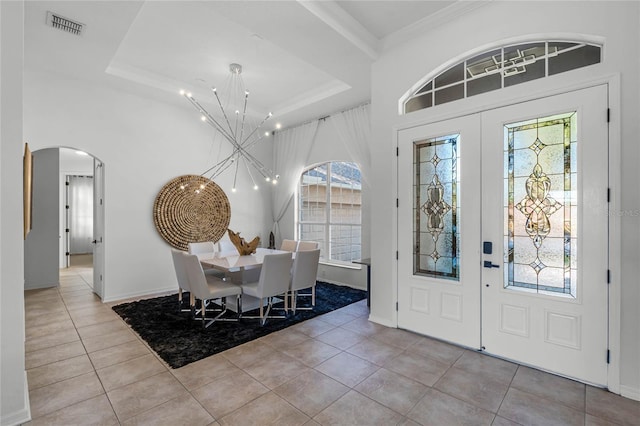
(85, 366)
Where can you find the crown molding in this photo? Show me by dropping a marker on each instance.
(438, 19)
(344, 24)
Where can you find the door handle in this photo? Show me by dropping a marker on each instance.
(96, 242)
(488, 264)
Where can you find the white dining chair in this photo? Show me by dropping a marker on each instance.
(207, 288)
(183, 280)
(202, 248)
(289, 245)
(304, 274)
(225, 246)
(206, 249)
(274, 280)
(307, 245)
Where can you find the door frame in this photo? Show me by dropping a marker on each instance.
(467, 107)
(98, 227)
(98, 261)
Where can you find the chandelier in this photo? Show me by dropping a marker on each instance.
(235, 125)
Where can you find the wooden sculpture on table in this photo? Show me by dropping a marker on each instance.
(243, 247)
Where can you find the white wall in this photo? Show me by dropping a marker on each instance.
(143, 144)
(42, 244)
(14, 398)
(328, 146)
(400, 67)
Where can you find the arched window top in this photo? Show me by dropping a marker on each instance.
(502, 67)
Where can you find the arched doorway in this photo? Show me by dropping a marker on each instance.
(68, 212)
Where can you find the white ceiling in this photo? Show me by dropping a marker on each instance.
(301, 59)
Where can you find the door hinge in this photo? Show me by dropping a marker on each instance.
(608, 195)
(397, 203)
(397, 151)
(100, 277)
(396, 254)
(608, 276)
(67, 254)
(100, 201)
(66, 207)
(396, 306)
(67, 230)
(608, 115)
(67, 183)
(608, 356)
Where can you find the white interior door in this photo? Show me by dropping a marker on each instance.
(67, 224)
(439, 230)
(98, 227)
(544, 208)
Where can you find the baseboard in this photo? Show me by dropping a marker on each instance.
(139, 294)
(21, 416)
(324, 280)
(630, 392)
(39, 286)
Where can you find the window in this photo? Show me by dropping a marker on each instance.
(541, 187)
(436, 210)
(500, 68)
(329, 210)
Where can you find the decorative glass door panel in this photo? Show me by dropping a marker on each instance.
(436, 187)
(540, 162)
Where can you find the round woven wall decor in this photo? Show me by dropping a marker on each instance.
(191, 208)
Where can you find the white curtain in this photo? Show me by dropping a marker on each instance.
(291, 151)
(80, 214)
(354, 128)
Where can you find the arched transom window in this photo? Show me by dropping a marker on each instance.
(502, 67)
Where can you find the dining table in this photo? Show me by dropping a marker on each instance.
(232, 261)
(240, 268)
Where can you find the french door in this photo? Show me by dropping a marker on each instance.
(439, 230)
(98, 227)
(524, 220)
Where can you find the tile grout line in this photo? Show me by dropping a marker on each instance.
(95, 372)
(505, 394)
(85, 353)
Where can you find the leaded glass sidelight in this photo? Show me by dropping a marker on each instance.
(541, 204)
(436, 208)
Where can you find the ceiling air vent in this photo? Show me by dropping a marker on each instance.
(60, 22)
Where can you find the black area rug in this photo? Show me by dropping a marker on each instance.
(179, 340)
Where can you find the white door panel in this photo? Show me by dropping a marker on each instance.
(98, 227)
(439, 230)
(546, 304)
